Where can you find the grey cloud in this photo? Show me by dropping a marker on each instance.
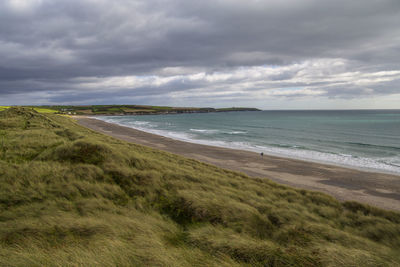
(45, 45)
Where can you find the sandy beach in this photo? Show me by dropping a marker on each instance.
(376, 189)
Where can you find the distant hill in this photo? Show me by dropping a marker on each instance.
(131, 109)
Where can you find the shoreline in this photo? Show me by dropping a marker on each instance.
(346, 184)
(265, 152)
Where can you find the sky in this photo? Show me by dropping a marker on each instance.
(270, 54)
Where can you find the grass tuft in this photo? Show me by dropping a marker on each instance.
(82, 151)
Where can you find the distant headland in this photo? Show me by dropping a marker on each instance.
(131, 109)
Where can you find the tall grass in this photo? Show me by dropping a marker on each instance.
(73, 197)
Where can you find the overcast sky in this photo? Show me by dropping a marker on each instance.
(271, 54)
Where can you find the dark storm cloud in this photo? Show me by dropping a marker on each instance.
(48, 46)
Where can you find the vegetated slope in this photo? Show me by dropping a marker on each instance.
(73, 197)
(129, 109)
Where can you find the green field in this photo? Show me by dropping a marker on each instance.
(73, 197)
(38, 109)
(122, 109)
(125, 109)
(45, 110)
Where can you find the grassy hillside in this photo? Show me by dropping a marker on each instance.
(73, 197)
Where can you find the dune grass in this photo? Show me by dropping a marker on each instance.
(3, 108)
(73, 197)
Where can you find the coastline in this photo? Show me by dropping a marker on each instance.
(258, 149)
(376, 189)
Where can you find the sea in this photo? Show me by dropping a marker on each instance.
(361, 139)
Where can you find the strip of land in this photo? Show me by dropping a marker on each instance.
(376, 189)
(121, 110)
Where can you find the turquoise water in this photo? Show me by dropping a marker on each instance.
(359, 138)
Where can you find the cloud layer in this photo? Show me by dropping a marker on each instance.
(224, 51)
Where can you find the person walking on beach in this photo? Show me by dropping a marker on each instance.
(262, 154)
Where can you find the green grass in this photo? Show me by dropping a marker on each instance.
(73, 197)
(38, 109)
(45, 110)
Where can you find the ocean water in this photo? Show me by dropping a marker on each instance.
(367, 139)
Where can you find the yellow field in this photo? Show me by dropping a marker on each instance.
(45, 110)
(40, 110)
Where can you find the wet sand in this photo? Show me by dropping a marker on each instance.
(376, 189)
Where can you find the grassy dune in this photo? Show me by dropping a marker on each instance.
(73, 197)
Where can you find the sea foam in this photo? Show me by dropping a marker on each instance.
(243, 141)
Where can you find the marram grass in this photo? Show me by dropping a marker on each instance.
(73, 197)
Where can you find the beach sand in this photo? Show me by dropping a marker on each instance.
(376, 189)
